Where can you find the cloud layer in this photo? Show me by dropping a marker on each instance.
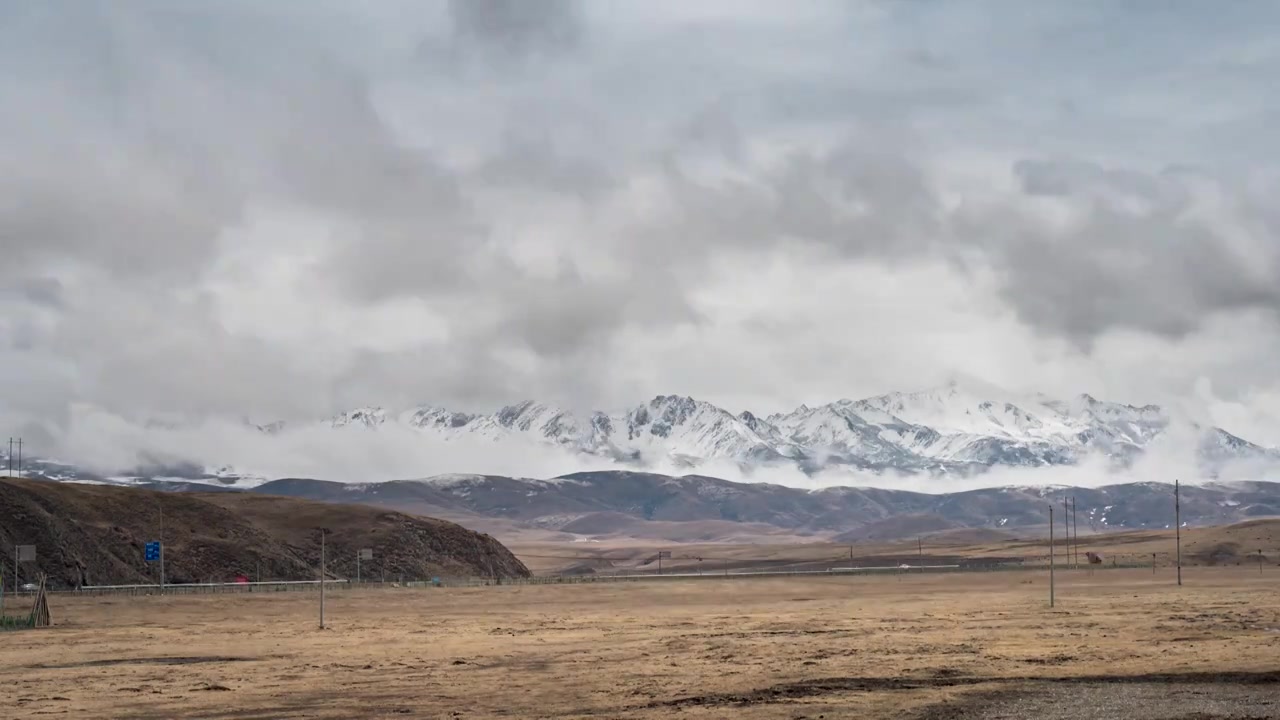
(216, 210)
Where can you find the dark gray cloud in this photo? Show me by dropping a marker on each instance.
(1157, 252)
(511, 30)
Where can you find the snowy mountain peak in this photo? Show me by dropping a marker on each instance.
(428, 416)
(371, 417)
(957, 428)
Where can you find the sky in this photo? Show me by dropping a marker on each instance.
(280, 211)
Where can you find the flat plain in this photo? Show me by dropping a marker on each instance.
(1119, 643)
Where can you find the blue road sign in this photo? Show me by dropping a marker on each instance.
(153, 551)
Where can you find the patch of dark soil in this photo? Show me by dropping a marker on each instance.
(811, 688)
(145, 661)
(1113, 701)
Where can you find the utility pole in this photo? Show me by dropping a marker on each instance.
(9, 458)
(1066, 523)
(19, 457)
(161, 506)
(920, 549)
(322, 579)
(1075, 534)
(1051, 569)
(1177, 522)
(850, 556)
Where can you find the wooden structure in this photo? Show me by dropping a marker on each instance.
(39, 615)
(40, 609)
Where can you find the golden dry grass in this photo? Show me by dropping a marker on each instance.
(831, 647)
(1224, 545)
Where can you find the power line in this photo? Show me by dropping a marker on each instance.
(11, 456)
(1177, 522)
(1075, 529)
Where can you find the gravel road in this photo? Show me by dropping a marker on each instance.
(1117, 701)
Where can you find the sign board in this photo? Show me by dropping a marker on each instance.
(26, 553)
(664, 553)
(152, 551)
(366, 554)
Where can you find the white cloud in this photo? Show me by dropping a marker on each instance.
(229, 209)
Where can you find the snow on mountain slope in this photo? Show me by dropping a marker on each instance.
(667, 427)
(954, 428)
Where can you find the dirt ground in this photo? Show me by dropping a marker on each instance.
(1119, 644)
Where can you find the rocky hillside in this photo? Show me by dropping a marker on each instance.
(562, 503)
(94, 535)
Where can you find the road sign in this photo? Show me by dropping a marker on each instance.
(664, 553)
(26, 553)
(366, 554)
(153, 551)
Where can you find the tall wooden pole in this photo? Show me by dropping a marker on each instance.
(1177, 521)
(322, 579)
(1066, 524)
(161, 506)
(1051, 562)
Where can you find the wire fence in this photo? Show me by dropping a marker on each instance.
(679, 574)
(691, 567)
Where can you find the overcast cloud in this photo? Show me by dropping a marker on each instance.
(217, 210)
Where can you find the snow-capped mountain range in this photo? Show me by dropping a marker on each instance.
(952, 429)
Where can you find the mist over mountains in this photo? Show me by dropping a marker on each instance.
(951, 430)
(949, 438)
(677, 468)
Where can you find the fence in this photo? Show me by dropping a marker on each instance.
(208, 588)
(1027, 563)
(473, 582)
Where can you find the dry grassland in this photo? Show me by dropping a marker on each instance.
(1120, 644)
(1224, 545)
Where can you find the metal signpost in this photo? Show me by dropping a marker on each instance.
(21, 553)
(364, 554)
(151, 553)
(662, 554)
